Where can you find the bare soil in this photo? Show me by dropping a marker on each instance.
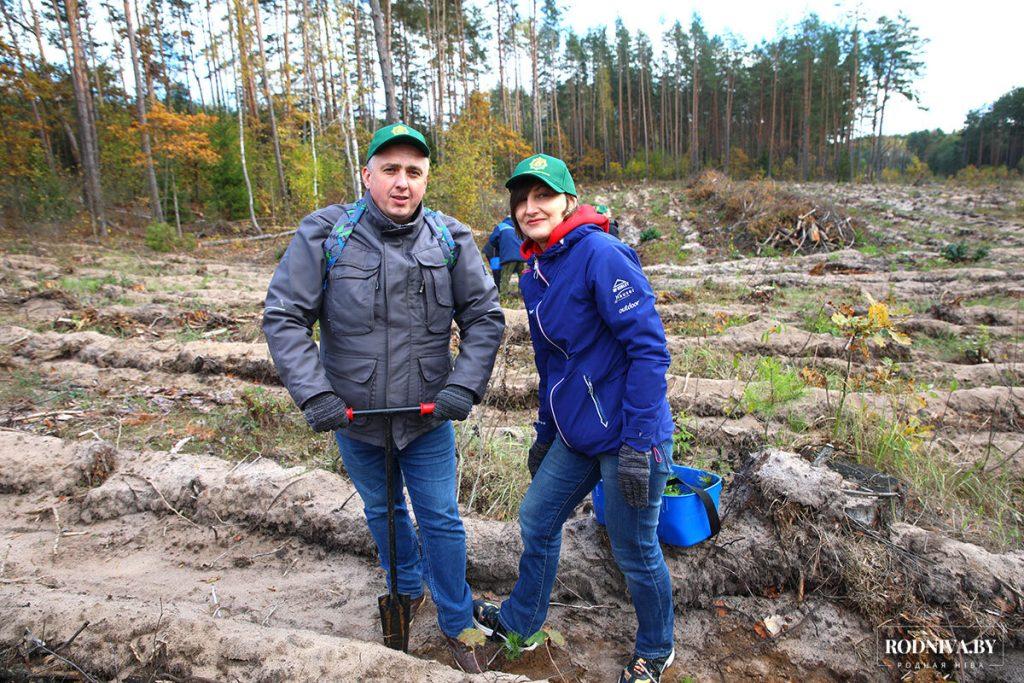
(157, 484)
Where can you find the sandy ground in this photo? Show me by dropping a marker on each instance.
(199, 564)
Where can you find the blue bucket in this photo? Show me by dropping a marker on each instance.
(683, 521)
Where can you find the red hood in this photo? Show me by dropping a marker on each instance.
(584, 215)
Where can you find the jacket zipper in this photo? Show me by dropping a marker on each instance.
(536, 310)
(387, 321)
(536, 269)
(597, 406)
(551, 402)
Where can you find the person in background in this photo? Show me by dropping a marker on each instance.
(494, 262)
(613, 225)
(601, 357)
(505, 243)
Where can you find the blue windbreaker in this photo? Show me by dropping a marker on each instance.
(505, 242)
(599, 345)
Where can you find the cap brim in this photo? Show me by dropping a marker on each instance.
(398, 140)
(539, 176)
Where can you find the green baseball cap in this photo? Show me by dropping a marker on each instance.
(394, 134)
(551, 170)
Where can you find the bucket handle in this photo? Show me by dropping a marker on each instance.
(709, 507)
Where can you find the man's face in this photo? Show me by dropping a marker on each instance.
(396, 178)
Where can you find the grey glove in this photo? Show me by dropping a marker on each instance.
(537, 452)
(325, 412)
(634, 475)
(453, 403)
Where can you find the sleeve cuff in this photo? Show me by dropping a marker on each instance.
(545, 431)
(639, 435)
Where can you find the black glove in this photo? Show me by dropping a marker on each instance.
(453, 403)
(325, 412)
(634, 475)
(537, 452)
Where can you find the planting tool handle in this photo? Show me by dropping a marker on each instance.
(422, 409)
(709, 506)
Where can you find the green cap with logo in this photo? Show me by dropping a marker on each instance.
(394, 134)
(551, 170)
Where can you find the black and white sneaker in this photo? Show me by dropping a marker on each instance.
(485, 618)
(643, 670)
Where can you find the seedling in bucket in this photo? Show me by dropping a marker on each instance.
(689, 506)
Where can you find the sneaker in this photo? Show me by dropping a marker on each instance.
(643, 670)
(466, 658)
(485, 618)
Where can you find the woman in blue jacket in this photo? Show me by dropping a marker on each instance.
(601, 355)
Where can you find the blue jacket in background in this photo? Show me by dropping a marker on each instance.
(599, 345)
(505, 242)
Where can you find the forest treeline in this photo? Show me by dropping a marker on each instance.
(179, 111)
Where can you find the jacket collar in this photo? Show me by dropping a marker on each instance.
(387, 227)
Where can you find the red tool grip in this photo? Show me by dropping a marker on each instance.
(426, 408)
(350, 414)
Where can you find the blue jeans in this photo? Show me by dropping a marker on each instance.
(427, 466)
(564, 479)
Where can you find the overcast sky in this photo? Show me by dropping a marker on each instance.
(974, 54)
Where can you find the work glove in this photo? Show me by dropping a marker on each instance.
(325, 412)
(634, 475)
(537, 452)
(453, 403)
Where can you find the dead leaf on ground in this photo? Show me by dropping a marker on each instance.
(136, 419)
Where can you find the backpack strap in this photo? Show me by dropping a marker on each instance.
(339, 235)
(350, 216)
(443, 236)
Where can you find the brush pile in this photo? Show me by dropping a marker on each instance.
(760, 216)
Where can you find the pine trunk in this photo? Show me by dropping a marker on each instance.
(140, 112)
(86, 124)
(805, 128)
(538, 139)
(695, 114)
(278, 161)
(384, 56)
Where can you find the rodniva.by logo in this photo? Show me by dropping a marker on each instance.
(914, 649)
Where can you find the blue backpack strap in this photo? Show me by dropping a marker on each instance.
(444, 237)
(339, 235)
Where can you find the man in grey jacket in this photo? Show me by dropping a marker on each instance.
(385, 299)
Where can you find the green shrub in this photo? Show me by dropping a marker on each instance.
(163, 237)
(775, 386)
(682, 440)
(649, 234)
(960, 252)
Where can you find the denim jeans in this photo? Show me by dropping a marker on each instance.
(564, 479)
(427, 467)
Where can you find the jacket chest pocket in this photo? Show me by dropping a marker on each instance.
(436, 290)
(352, 292)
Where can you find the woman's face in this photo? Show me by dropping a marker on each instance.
(541, 212)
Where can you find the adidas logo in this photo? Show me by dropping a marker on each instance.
(619, 285)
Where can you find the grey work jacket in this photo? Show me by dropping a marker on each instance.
(385, 318)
